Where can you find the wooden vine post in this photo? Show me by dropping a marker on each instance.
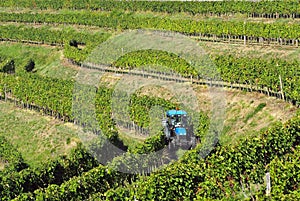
(5, 95)
(268, 184)
(281, 87)
(245, 33)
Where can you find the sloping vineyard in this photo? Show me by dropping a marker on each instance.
(226, 64)
(264, 8)
(92, 172)
(249, 71)
(63, 37)
(221, 175)
(99, 179)
(54, 97)
(217, 27)
(157, 58)
(285, 171)
(11, 86)
(10, 157)
(52, 172)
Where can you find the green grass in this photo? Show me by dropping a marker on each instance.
(130, 141)
(47, 59)
(255, 111)
(36, 137)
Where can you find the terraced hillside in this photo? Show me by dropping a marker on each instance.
(77, 125)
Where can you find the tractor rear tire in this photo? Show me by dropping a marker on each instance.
(193, 143)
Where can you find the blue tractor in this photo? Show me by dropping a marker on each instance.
(178, 130)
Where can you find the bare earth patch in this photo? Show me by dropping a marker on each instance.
(255, 51)
(156, 91)
(2, 164)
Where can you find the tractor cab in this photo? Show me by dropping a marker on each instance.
(176, 121)
(177, 128)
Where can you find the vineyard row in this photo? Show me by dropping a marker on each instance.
(193, 80)
(125, 21)
(130, 126)
(224, 38)
(265, 8)
(56, 171)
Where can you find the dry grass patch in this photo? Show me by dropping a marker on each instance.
(247, 113)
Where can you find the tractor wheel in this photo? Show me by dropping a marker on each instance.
(193, 143)
(170, 145)
(173, 144)
(167, 133)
